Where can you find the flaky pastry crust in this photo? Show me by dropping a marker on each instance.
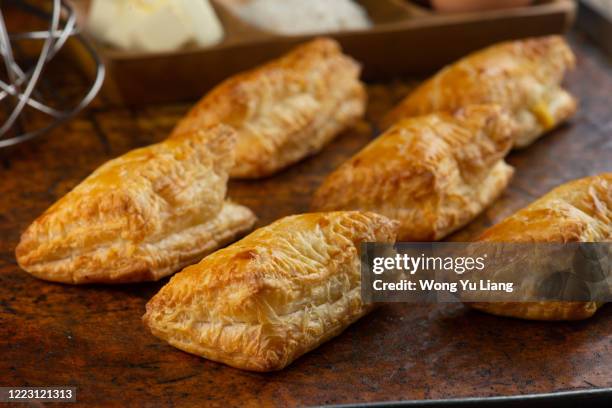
(285, 110)
(276, 294)
(432, 173)
(141, 216)
(522, 76)
(578, 211)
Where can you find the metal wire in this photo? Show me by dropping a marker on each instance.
(22, 85)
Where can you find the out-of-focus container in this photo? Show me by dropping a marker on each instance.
(457, 6)
(405, 39)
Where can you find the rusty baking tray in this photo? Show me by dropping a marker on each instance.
(93, 337)
(405, 39)
(592, 398)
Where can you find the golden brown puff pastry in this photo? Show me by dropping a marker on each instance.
(578, 211)
(433, 173)
(285, 110)
(278, 293)
(523, 76)
(141, 216)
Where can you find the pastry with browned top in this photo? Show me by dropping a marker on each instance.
(141, 216)
(276, 294)
(432, 173)
(522, 76)
(285, 110)
(578, 211)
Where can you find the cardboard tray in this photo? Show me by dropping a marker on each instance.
(406, 39)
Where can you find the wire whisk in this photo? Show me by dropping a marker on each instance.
(18, 88)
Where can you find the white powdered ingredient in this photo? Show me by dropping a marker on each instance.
(292, 17)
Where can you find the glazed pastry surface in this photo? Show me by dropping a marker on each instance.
(432, 173)
(285, 110)
(523, 76)
(141, 216)
(274, 295)
(578, 211)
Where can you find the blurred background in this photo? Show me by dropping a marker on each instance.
(139, 52)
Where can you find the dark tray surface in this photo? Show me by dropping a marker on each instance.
(93, 338)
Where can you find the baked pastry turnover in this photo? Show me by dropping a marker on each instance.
(274, 295)
(141, 216)
(432, 173)
(285, 110)
(578, 211)
(522, 76)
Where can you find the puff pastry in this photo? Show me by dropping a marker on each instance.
(278, 293)
(432, 173)
(285, 110)
(523, 76)
(578, 211)
(141, 216)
